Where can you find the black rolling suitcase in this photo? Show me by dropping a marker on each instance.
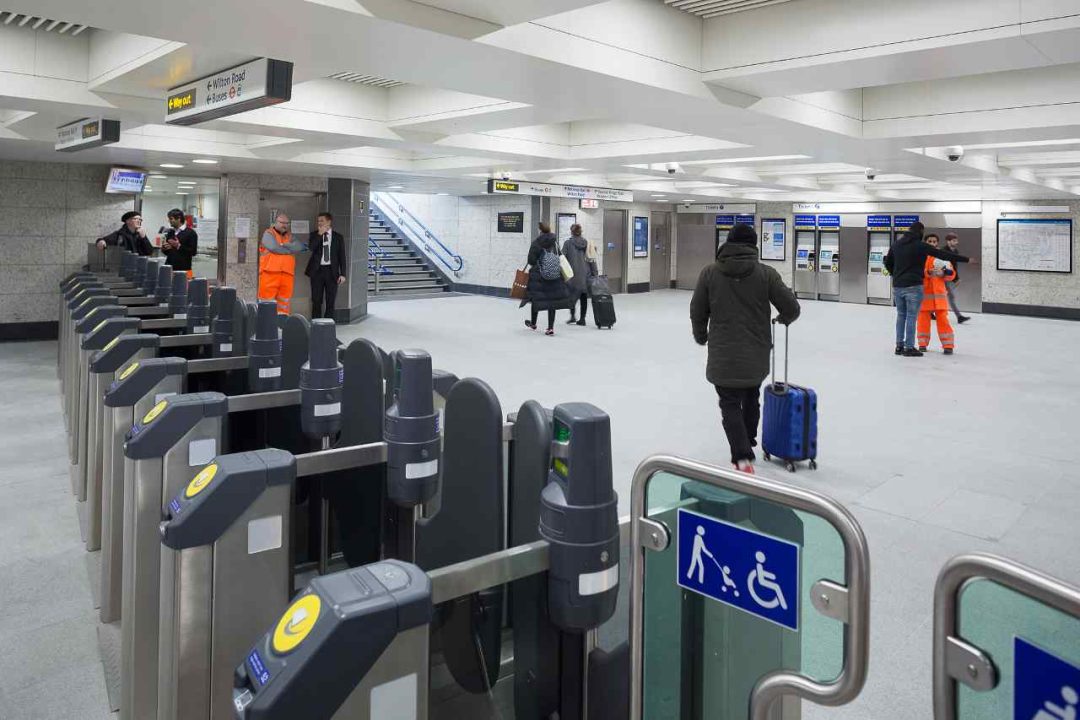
(603, 310)
(602, 304)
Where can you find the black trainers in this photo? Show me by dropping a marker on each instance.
(580, 322)
(900, 349)
(962, 319)
(530, 325)
(572, 321)
(911, 352)
(948, 351)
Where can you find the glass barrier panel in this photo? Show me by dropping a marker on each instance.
(1004, 623)
(703, 656)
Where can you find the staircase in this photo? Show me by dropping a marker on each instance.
(403, 270)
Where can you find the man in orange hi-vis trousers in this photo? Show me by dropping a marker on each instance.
(935, 302)
(277, 263)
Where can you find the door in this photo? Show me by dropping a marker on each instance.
(854, 254)
(660, 253)
(614, 251)
(301, 209)
(697, 250)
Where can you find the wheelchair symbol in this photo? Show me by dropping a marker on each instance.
(767, 580)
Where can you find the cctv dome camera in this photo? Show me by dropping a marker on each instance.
(870, 173)
(672, 168)
(954, 153)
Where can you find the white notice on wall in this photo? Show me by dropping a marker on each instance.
(207, 228)
(301, 228)
(242, 227)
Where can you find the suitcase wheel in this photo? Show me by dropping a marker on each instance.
(767, 457)
(789, 465)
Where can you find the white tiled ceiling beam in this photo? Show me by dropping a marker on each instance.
(842, 44)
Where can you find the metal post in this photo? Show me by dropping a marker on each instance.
(378, 266)
(324, 521)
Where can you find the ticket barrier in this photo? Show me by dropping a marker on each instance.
(263, 370)
(352, 662)
(177, 434)
(217, 559)
(95, 332)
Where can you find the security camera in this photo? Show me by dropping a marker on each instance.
(504, 175)
(686, 204)
(954, 153)
(672, 168)
(871, 173)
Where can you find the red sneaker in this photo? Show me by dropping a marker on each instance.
(549, 331)
(745, 466)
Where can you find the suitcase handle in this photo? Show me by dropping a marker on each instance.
(787, 339)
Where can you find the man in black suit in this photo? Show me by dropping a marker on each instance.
(326, 266)
(180, 242)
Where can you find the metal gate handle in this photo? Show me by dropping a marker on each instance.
(773, 686)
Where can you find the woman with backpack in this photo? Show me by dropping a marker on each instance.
(546, 289)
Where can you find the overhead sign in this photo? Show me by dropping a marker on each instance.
(581, 192)
(748, 570)
(747, 219)
(904, 222)
(828, 222)
(714, 208)
(879, 222)
(1047, 687)
(725, 222)
(245, 87)
(87, 133)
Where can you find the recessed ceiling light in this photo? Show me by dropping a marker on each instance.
(442, 193)
(205, 161)
(159, 177)
(180, 193)
(395, 187)
(659, 195)
(170, 165)
(146, 190)
(688, 201)
(185, 182)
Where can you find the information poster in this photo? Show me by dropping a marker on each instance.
(563, 221)
(511, 222)
(1035, 245)
(641, 237)
(301, 228)
(773, 242)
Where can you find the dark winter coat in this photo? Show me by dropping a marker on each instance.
(129, 240)
(906, 260)
(731, 311)
(574, 249)
(544, 294)
(180, 258)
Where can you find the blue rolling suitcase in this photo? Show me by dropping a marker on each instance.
(789, 425)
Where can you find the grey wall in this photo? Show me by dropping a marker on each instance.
(1050, 290)
(348, 201)
(48, 213)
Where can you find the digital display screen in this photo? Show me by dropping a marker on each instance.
(503, 186)
(258, 668)
(122, 180)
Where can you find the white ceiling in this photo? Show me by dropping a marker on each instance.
(438, 95)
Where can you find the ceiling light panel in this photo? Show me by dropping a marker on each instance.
(737, 160)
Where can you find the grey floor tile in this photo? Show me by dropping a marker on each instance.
(43, 591)
(977, 514)
(912, 497)
(47, 650)
(75, 693)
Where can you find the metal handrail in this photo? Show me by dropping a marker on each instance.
(773, 686)
(405, 215)
(951, 581)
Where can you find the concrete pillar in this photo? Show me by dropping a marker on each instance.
(348, 201)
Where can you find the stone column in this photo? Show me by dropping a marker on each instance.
(348, 201)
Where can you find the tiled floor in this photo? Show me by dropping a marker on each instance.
(935, 457)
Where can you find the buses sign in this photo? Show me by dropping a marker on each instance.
(256, 84)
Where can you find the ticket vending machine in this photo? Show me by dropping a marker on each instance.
(879, 236)
(805, 273)
(903, 223)
(828, 266)
(724, 223)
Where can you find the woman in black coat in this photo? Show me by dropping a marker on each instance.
(544, 294)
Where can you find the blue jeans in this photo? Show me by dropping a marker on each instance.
(908, 300)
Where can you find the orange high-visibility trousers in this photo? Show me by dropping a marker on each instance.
(277, 286)
(944, 329)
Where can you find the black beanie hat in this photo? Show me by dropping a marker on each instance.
(742, 233)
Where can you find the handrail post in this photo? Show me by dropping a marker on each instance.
(378, 271)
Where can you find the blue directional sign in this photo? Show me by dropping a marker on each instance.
(805, 221)
(829, 222)
(1047, 687)
(904, 222)
(725, 221)
(879, 222)
(748, 570)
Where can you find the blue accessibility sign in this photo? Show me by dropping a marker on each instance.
(1047, 687)
(742, 568)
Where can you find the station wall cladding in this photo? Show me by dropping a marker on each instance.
(48, 214)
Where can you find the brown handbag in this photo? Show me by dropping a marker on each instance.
(521, 284)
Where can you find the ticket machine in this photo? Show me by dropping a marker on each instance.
(828, 266)
(805, 274)
(879, 235)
